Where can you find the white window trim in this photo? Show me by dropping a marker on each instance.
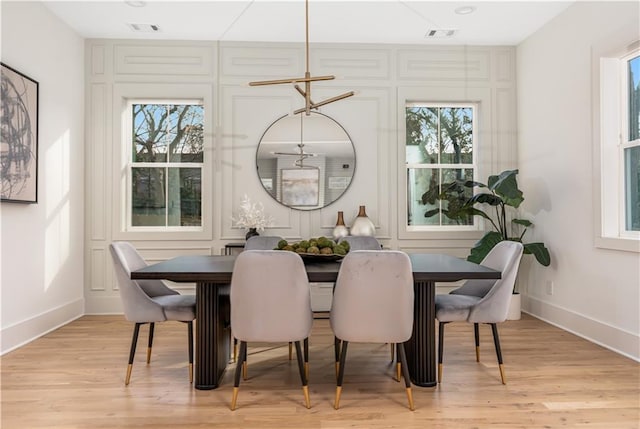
(483, 158)
(608, 165)
(158, 92)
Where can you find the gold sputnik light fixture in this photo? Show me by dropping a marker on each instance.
(307, 79)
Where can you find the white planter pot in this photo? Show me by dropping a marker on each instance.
(514, 307)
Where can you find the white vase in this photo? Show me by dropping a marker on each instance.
(362, 225)
(341, 229)
(514, 307)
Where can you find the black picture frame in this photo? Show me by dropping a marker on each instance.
(19, 137)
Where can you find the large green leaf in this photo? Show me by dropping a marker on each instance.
(522, 222)
(539, 251)
(484, 246)
(483, 198)
(506, 185)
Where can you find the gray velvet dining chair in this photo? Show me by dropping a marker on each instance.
(260, 242)
(482, 301)
(373, 303)
(361, 242)
(270, 302)
(149, 301)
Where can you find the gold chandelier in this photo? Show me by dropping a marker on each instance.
(307, 79)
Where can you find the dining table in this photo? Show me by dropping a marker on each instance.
(212, 276)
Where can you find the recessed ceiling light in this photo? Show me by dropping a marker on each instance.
(464, 10)
(134, 3)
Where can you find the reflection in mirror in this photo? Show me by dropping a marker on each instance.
(305, 162)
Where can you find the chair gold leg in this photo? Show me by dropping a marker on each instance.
(439, 373)
(307, 400)
(128, 377)
(503, 377)
(190, 373)
(244, 370)
(336, 404)
(148, 355)
(234, 398)
(410, 398)
(398, 371)
(290, 351)
(477, 354)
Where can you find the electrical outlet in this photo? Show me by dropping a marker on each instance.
(549, 287)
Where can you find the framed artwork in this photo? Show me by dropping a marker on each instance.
(19, 137)
(300, 186)
(339, 182)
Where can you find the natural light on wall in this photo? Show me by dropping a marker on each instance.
(57, 187)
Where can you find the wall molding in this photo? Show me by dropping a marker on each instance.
(608, 336)
(24, 332)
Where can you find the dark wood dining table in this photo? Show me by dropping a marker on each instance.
(212, 275)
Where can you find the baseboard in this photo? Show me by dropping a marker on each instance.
(608, 336)
(104, 305)
(24, 332)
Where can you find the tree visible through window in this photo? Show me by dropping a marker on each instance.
(439, 149)
(166, 164)
(631, 147)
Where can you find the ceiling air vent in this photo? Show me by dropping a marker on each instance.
(144, 28)
(440, 33)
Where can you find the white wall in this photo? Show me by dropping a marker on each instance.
(596, 291)
(42, 244)
(384, 78)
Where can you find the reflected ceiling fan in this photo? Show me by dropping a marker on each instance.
(301, 154)
(307, 79)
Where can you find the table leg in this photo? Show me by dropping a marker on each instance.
(212, 340)
(421, 348)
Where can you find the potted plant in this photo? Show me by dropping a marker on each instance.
(461, 204)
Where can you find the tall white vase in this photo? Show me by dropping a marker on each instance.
(362, 225)
(341, 229)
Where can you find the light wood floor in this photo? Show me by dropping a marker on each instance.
(74, 378)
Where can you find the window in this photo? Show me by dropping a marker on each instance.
(165, 166)
(439, 149)
(618, 151)
(630, 145)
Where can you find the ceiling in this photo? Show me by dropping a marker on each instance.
(357, 21)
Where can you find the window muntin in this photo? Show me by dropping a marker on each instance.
(439, 148)
(165, 169)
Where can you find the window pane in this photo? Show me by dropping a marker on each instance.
(186, 133)
(632, 188)
(422, 181)
(422, 135)
(150, 127)
(450, 175)
(185, 197)
(456, 135)
(634, 99)
(148, 206)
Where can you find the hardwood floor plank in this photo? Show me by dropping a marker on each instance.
(74, 378)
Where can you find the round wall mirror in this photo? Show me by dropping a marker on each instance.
(305, 162)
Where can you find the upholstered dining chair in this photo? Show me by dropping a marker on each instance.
(482, 301)
(270, 302)
(361, 242)
(373, 303)
(149, 301)
(260, 242)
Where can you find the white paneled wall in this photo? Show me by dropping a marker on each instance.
(383, 77)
